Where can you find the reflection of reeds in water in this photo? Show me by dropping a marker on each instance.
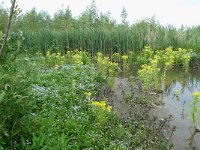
(191, 140)
(188, 80)
(184, 81)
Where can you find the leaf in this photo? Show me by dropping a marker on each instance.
(1, 148)
(2, 95)
(6, 86)
(6, 134)
(1, 35)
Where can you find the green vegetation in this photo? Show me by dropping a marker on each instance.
(48, 102)
(194, 110)
(53, 70)
(93, 31)
(153, 72)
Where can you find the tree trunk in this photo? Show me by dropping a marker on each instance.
(8, 27)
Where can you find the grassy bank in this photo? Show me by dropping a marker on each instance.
(52, 106)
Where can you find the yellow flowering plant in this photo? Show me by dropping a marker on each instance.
(101, 109)
(107, 68)
(54, 59)
(162, 61)
(116, 57)
(102, 104)
(194, 109)
(125, 63)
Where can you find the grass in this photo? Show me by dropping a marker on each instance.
(121, 39)
(46, 106)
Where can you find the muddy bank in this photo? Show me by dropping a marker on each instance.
(129, 103)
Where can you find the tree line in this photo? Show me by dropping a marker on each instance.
(93, 31)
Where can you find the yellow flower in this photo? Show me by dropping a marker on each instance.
(116, 55)
(196, 94)
(88, 93)
(169, 49)
(99, 54)
(180, 49)
(101, 104)
(109, 108)
(186, 57)
(154, 61)
(167, 63)
(124, 57)
(149, 67)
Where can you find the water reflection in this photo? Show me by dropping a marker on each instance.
(177, 97)
(183, 81)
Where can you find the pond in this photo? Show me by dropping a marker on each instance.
(177, 99)
(175, 102)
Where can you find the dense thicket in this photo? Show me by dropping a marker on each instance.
(93, 31)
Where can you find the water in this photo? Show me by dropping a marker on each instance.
(177, 98)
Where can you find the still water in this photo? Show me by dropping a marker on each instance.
(177, 98)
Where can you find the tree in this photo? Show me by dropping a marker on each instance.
(124, 15)
(8, 27)
(90, 16)
(34, 21)
(106, 21)
(3, 18)
(63, 20)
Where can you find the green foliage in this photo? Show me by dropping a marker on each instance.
(43, 106)
(3, 18)
(194, 109)
(159, 63)
(32, 21)
(124, 15)
(1, 37)
(125, 63)
(63, 20)
(107, 68)
(96, 31)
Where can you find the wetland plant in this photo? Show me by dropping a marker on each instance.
(153, 73)
(194, 110)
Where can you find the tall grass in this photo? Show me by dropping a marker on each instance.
(120, 39)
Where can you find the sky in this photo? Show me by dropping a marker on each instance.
(173, 12)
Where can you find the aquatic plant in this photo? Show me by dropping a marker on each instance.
(194, 109)
(125, 65)
(107, 68)
(154, 72)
